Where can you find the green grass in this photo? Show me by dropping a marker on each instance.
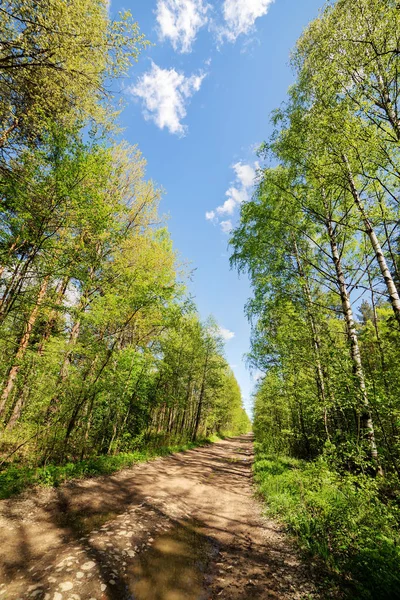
(345, 520)
(15, 478)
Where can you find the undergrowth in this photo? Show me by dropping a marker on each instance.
(347, 520)
(16, 478)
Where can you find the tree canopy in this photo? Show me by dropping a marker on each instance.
(101, 348)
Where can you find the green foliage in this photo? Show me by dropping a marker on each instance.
(56, 59)
(319, 241)
(340, 518)
(15, 479)
(101, 352)
(318, 238)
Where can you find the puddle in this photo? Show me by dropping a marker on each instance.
(82, 523)
(174, 567)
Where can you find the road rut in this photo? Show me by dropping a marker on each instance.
(185, 527)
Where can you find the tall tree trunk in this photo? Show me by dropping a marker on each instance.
(9, 252)
(186, 408)
(392, 253)
(320, 379)
(303, 426)
(385, 99)
(92, 394)
(23, 344)
(4, 136)
(16, 282)
(180, 427)
(386, 274)
(201, 399)
(384, 369)
(23, 396)
(366, 422)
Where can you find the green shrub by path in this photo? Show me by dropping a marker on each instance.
(340, 518)
(14, 479)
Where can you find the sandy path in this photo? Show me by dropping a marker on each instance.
(193, 515)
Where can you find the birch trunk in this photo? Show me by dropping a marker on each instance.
(386, 274)
(366, 422)
(315, 338)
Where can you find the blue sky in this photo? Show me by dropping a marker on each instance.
(198, 103)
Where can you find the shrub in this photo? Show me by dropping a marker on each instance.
(14, 479)
(341, 518)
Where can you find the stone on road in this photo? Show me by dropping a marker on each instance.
(185, 527)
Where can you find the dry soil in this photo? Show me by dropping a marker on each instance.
(186, 527)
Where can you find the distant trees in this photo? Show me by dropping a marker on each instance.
(100, 348)
(320, 237)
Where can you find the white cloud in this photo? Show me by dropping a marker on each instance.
(225, 334)
(249, 45)
(165, 94)
(180, 20)
(241, 15)
(226, 226)
(227, 208)
(238, 193)
(245, 173)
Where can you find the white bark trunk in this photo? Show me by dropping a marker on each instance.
(386, 274)
(365, 414)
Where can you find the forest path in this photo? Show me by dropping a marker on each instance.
(185, 527)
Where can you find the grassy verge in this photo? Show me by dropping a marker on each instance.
(341, 519)
(15, 478)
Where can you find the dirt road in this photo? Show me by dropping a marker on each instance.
(186, 527)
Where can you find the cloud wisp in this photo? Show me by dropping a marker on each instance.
(240, 17)
(165, 94)
(236, 194)
(225, 334)
(179, 22)
(226, 226)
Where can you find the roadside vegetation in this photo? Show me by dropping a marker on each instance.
(320, 242)
(16, 479)
(104, 360)
(103, 357)
(345, 519)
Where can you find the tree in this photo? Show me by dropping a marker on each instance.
(56, 59)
